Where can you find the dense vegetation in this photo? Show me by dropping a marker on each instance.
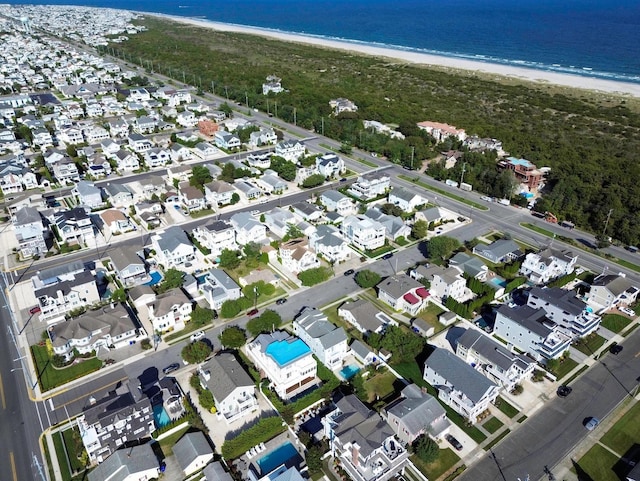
(589, 141)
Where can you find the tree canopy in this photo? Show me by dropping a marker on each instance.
(229, 259)
(200, 175)
(196, 352)
(267, 321)
(441, 247)
(233, 337)
(367, 278)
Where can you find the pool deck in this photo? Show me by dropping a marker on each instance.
(244, 463)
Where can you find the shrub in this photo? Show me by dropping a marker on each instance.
(366, 278)
(314, 276)
(196, 352)
(145, 344)
(233, 337)
(264, 430)
(426, 449)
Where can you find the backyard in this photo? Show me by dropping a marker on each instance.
(614, 322)
(50, 376)
(590, 344)
(430, 316)
(446, 459)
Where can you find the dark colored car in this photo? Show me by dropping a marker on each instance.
(454, 442)
(343, 179)
(564, 391)
(349, 272)
(252, 312)
(215, 314)
(615, 349)
(171, 367)
(34, 310)
(281, 301)
(388, 256)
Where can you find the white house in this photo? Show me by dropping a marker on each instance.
(290, 150)
(247, 228)
(60, 295)
(286, 361)
(219, 287)
(218, 192)
(226, 140)
(330, 165)
(136, 463)
(548, 264)
(449, 283)
(363, 233)
(88, 194)
(328, 243)
(403, 294)
(296, 256)
(405, 199)
(371, 185)
(216, 236)
(172, 247)
(30, 232)
(610, 290)
(335, 201)
(157, 157)
(192, 452)
(115, 223)
(440, 131)
(365, 317)
(327, 341)
(170, 311)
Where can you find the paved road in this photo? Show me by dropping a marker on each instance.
(547, 437)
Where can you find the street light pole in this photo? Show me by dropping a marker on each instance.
(464, 165)
(606, 223)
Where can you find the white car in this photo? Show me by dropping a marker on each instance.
(627, 311)
(486, 198)
(196, 336)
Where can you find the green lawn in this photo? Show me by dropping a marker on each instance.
(537, 229)
(434, 470)
(590, 344)
(380, 385)
(167, 443)
(61, 456)
(492, 424)
(625, 433)
(74, 447)
(506, 408)
(597, 464)
(614, 322)
(497, 439)
(565, 367)
(430, 316)
(443, 192)
(50, 377)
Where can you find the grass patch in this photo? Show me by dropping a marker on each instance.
(201, 213)
(73, 443)
(565, 367)
(327, 470)
(615, 322)
(625, 433)
(492, 424)
(598, 464)
(357, 159)
(497, 439)
(522, 418)
(379, 386)
(443, 192)
(446, 459)
(505, 408)
(167, 443)
(430, 316)
(630, 330)
(50, 377)
(590, 344)
(576, 374)
(379, 251)
(61, 456)
(537, 229)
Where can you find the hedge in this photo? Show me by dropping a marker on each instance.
(263, 431)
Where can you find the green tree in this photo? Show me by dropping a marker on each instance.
(419, 229)
(228, 172)
(196, 352)
(442, 247)
(293, 232)
(233, 337)
(172, 278)
(367, 278)
(226, 108)
(230, 309)
(285, 169)
(119, 295)
(235, 198)
(426, 449)
(200, 175)
(313, 181)
(205, 398)
(313, 458)
(391, 209)
(404, 345)
(269, 320)
(201, 316)
(314, 276)
(229, 259)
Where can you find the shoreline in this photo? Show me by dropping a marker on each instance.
(539, 77)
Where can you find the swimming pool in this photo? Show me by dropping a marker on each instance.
(284, 352)
(498, 282)
(160, 416)
(349, 371)
(156, 277)
(277, 457)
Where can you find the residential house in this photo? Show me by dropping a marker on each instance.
(191, 198)
(193, 452)
(340, 105)
(139, 143)
(66, 172)
(363, 233)
(478, 144)
(414, 414)
(248, 229)
(432, 215)
(135, 463)
(307, 212)
(71, 136)
(449, 283)
(335, 201)
(291, 150)
(220, 287)
(126, 161)
(610, 290)
(403, 294)
(572, 315)
(270, 182)
(328, 243)
(119, 127)
(365, 317)
(215, 472)
(74, 226)
(118, 195)
(115, 223)
(141, 296)
(227, 141)
(363, 444)
(218, 193)
(405, 199)
(205, 151)
(157, 157)
(525, 172)
(286, 361)
(259, 161)
(279, 221)
(451, 158)
(180, 172)
(530, 331)
(41, 137)
(128, 266)
(98, 166)
(330, 165)
(470, 265)
(548, 264)
(394, 227)
(247, 190)
(273, 84)
(493, 360)
(170, 311)
(362, 353)
(30, 233)
(233, 390)
(370, 185)
(88, 194)
(58, 297)
(440, 131)
(216, 236)
(173, 248)
(180, 153)
(327, 341)
(459, 385)
(265, 136)
(107, 328)
(123, 416)
(186, 118)
(499, 251)
(15, 177)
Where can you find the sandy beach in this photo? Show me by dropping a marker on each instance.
(522, 73)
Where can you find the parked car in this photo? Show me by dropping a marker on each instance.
(171, 367)
(343, 179)
(281, 301)
(388, 256)
(486, 198)
(215, 314)
(349, 272)
(454, 442)
(564, 391)
(34, 310)
(615, 349)
(592, 423)
(196, 336)
(627, 311)
(252, 312)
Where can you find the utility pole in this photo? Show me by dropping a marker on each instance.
(276, 102)
(295, 117)
(226, 92)
(213, 87)
(323, 126)
(464, 165)
(246, 99)
(606, 223)
(268, 106)
(413, 151)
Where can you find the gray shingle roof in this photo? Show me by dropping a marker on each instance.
(528, 317)
(397, 286)
(27, 215)
(164, 302)
(561, 298)
(227, 374)
(492, 351)
(190, 446)
(124, 463)
(365, 314)
(418, 410)
(215, 472)
(173, 237)
(124, 257)
(316, 324)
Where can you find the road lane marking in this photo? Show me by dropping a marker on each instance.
(4, 401)
(88, 393)
(13, 466)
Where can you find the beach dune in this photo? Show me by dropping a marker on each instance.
(522, 73)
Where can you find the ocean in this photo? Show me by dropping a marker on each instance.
(594, 38)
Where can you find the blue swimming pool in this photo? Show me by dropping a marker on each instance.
(277, 457)
(285, 351)
(156, 277)
(349, 371)
(160, 416)
(498, 282)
